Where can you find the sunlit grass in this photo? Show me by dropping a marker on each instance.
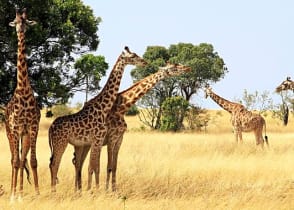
(172, 171)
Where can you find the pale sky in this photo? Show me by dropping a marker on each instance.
(254, 37)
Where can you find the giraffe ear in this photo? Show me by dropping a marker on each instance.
(31, 22)
(12, 24)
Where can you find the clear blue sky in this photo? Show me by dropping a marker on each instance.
(254, 37)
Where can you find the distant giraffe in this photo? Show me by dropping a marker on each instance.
(288, 84)
(116, 123)
(22, 114)
(89, 124)
(242, 119)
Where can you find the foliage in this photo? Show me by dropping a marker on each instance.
(89, 69)
(64, 30)
(173, 113)
(257, 101)
(282, 110)
(61, 110)
(133, 110)
(207, 66)
(197, 118)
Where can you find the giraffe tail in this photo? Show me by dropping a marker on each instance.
(26, 167)
(51, 146)
(265, 136)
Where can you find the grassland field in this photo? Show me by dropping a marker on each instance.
(169, 171)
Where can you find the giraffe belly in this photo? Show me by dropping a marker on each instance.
(80, 141)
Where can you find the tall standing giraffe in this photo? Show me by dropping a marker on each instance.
(116, 123)
(22, 114)
(242, 119)
(89, 124)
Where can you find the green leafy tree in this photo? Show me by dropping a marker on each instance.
(65, 29)
(207, 66)
(173, 112)
(89, 71)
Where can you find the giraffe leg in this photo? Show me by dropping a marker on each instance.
(109, 162)
(258, 137)
(77, 159)
(15, 162)
(57, 152)
(94, 166)
(114, 163)
(80, 156)
(240, 137)
(23, 160)
(86, 150)
(94, 162)
(33, 159)
(236, 135)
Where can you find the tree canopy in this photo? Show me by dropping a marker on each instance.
(207, 67)
(65, 29)
(89, 69)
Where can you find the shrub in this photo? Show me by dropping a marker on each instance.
(173, 112)
(133, 110)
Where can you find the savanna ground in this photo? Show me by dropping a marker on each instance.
(171, 171)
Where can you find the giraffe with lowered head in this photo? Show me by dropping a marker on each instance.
(116, 123)
(89, 124)
(22, 114)
(242, 119)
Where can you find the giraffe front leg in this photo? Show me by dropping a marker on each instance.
(23, 161)
(114, 163)
(94, 165)
(77, 164)
(80, 156)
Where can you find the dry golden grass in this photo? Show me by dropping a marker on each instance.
(172, 171)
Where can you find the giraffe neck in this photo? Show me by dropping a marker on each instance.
(225, 104)
(131, 95)
(22, 70)
(105, 99)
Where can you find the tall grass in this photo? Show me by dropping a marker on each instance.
(172, 171)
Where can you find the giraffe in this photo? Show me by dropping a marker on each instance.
(22, 114)
(88, 126)
(242, 119)
(116, 123)
(288, 84)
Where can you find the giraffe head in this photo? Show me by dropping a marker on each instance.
(208, 91)
(174, 69)
(132, 58)
(21, 22)
(288, 84)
